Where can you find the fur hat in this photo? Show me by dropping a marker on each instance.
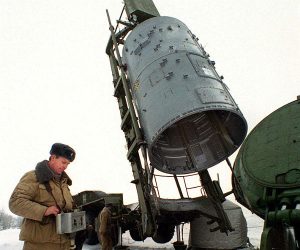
(63, 150)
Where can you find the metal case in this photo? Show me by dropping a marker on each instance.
(70, 222)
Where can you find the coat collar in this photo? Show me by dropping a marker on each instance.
(44, 174)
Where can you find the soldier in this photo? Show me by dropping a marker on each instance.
(39, 196)
(105, 228)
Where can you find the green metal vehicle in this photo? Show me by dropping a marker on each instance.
(92, 202)
(267, 176)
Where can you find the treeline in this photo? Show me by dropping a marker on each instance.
(8, 221)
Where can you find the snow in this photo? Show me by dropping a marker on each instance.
(255, 227)
(9, 241)
(9, 238)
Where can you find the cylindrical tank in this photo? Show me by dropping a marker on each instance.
(189, 119)
(201, 236)
(269, 158)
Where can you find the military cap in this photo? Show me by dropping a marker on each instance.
(63, 150)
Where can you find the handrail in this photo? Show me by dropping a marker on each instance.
(176, 177)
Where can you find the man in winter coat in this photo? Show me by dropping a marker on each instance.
(105, 229)
(40, 195)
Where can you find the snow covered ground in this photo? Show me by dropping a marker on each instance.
(9, 238)
(9, 241)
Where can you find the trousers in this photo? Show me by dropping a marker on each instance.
(45, 246)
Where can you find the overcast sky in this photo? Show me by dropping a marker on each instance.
(55, 79)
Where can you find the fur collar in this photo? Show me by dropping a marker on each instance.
(44, 174)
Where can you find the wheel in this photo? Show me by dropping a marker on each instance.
(91, 234)
(135, 234)
(79, 239)
(164, 233)
(92, 237)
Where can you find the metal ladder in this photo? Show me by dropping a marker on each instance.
(130, 126)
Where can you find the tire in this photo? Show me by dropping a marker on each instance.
(135, 234)
(91, 234)
(80, 239)
(164, 233)
(92, 238)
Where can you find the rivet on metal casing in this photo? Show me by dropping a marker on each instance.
(156, 47)
(163, 63)
(150, 33)
(169, 75)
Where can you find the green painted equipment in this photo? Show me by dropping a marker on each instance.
(267, 176)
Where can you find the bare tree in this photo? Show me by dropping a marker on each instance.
(8, 221)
